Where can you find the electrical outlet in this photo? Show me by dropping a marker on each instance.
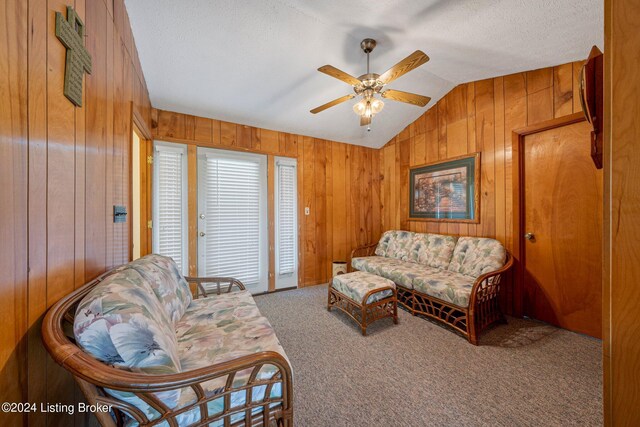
(306, 211)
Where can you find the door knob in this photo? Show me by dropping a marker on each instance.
(202, 216)
(202, 234)
(529, 236)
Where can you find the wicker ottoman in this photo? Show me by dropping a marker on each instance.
(364, 297)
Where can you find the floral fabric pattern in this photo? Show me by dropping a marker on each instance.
(433, 250)
(122, 323)
(395, 244)
(162, 274)
(443, 267)
(374, 264)
(446, 285)
(405, 273)
(221, 328)
(119, 309)
(129, 321)
(474, 256)
(381, 249)
(356, 285)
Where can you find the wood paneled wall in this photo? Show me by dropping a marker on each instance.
(61, 169)
(477, 116)
(621, 290)
(338, 182)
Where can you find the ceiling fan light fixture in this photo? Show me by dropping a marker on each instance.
(368, 107)
(376, 105)
(359, 107)
(369, 84)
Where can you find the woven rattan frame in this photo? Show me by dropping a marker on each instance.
(362, 313)
(94, 376)
(484, 304)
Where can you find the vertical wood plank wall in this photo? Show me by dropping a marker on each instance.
(61, 170)
(338, 182)
(621, 272)
(477, 116)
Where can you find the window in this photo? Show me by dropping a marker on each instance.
(170, 202)
(286, 207)
(232, 216)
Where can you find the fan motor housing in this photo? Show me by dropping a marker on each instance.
(369, 81)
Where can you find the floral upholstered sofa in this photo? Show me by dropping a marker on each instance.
(453, 279)
(160, 357)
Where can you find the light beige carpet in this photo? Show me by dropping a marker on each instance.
(418, 373)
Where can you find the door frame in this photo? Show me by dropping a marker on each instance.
(195, 206)
(518, 137)
(139, 125)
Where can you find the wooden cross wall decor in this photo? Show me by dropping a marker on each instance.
(71, 33)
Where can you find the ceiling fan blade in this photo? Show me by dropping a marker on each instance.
(365, 120)
(339, 74)
(409, 98)
(332, 103)
(409, 63)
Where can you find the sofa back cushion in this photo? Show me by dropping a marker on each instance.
(434, 250)
(169, 286)
(121, 322)
(474, 256)
(395, 244)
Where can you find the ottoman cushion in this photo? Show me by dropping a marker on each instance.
(356, 285)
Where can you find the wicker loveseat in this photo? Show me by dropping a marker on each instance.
(135, 339)
(454, 280)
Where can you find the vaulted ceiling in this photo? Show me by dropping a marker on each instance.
(254, 61)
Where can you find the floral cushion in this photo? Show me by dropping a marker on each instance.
(446, 285)
(433, 250)
(121, 322)
(474, 256)
(162, 274)
(374, 264)
(395, 244)
(221, 328)
(356, 285)
(404, 273)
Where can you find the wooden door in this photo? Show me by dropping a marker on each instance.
(563, 214)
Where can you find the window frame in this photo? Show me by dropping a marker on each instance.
(289, 279)
(182, 149)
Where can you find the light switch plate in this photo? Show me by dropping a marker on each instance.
(119, 213)
(306, 211)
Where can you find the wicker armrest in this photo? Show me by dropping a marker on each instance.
(487, 285)
(94, 377)
(222, 285)
(367, 250)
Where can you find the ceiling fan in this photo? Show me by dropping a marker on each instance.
(370, 84)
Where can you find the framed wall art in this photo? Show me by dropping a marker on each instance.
(448, 190)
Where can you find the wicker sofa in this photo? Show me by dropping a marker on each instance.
(455, 280)
(136, 339)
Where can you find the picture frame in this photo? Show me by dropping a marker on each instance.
(446, 191)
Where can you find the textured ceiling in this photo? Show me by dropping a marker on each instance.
(254, 61)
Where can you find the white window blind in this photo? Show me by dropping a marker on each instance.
(286, 228)
(233, 206)
(169, 216)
